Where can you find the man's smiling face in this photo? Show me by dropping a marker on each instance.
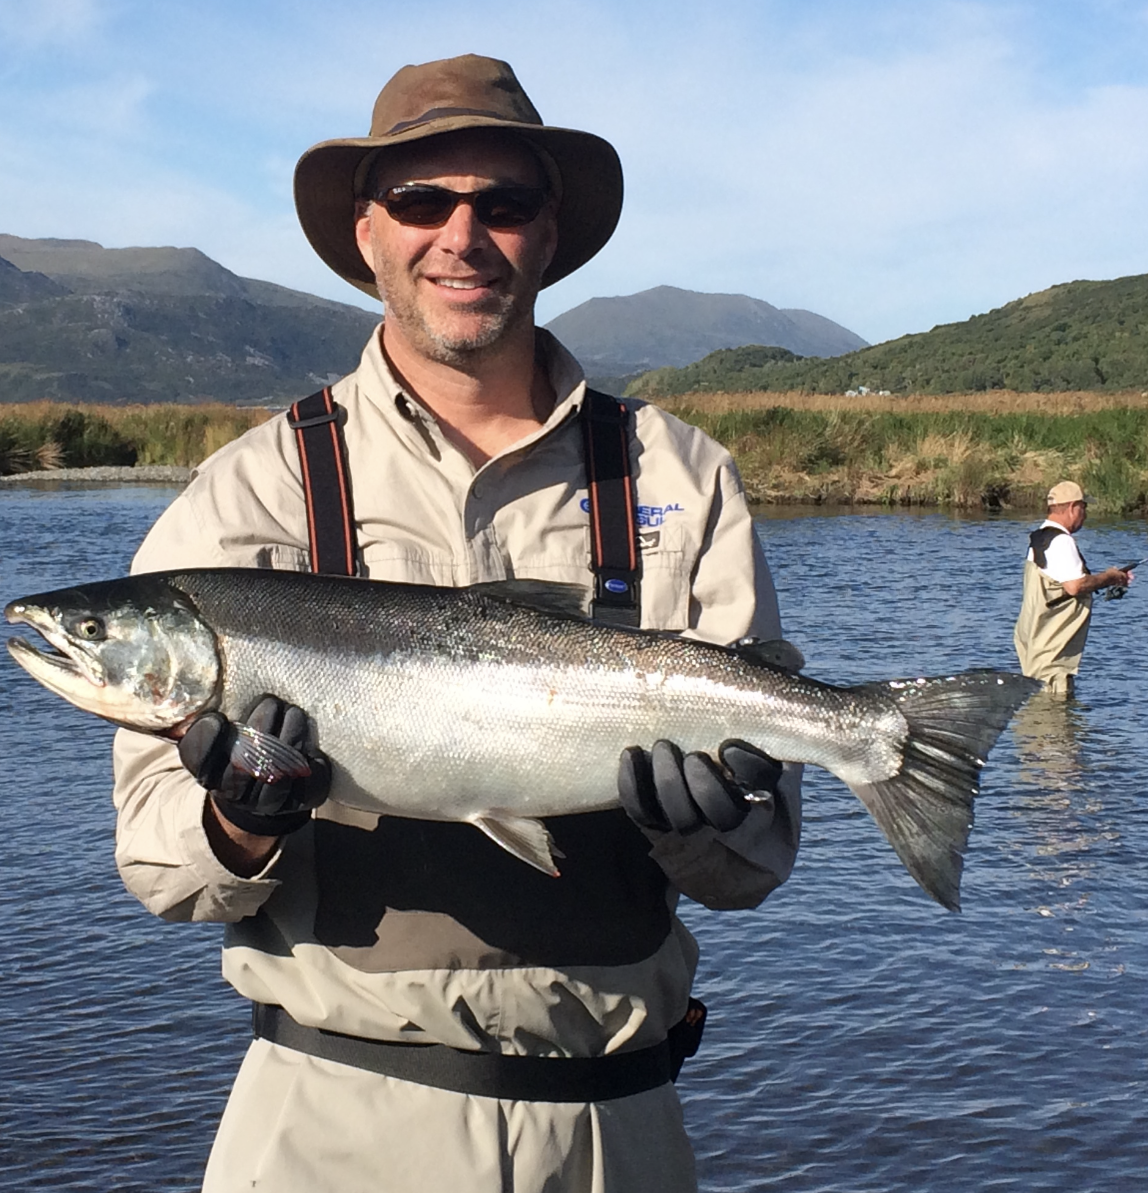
(457, 290)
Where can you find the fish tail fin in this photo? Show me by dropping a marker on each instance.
(926, 809)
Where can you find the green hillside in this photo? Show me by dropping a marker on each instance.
(1076, 336)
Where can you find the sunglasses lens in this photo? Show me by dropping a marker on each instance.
(508, 206)
(423, 206)
(431, 206)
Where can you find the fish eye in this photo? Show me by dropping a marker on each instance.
(91, 629)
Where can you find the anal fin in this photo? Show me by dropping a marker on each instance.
(528, 839)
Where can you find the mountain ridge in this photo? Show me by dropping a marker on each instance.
(1083, 335)
(82, 323)
(620, 337)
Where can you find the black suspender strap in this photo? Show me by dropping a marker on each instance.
(326, 484)
(614, 555)
(1039, 541)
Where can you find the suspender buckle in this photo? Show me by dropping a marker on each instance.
(299, 424)
(617, 598)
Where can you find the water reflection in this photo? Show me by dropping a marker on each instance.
(1049, 732)
(1068, 834)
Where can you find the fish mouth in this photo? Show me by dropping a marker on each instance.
(64, 666)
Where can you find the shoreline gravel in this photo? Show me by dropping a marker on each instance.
(163, 474)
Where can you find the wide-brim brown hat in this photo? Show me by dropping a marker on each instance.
(469, 92)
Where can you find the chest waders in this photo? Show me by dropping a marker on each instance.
(1052, 628)
(616, 565)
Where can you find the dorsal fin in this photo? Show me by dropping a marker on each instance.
(773, 652)
(545, 596)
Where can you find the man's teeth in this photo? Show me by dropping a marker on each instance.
(459, 283)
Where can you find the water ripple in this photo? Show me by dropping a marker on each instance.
(862, 1040)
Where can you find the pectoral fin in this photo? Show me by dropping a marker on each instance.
(528, 839)
(267, 758)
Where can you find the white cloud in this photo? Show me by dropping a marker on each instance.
(891, 166)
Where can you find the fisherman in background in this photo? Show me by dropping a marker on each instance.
(430, 1013)
(1057, 604)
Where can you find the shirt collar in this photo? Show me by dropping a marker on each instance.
(380, 387)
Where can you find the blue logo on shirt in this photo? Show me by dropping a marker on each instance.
(649, 516)
(654, 515)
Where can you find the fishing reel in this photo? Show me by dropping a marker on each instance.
(1119, 591)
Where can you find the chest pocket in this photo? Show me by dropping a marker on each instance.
(401, 561)
(668, 557)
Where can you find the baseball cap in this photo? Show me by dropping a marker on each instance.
(1066, 492)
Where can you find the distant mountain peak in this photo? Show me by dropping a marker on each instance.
(623, 336)
(1087, 336)
(15, 243)
(79, 322)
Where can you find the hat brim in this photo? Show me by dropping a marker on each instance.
(588, 213)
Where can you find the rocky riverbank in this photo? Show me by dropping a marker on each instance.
(164, 474)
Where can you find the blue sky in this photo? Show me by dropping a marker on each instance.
(891, 164)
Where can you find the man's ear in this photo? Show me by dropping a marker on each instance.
(363, 233)
(551, 242)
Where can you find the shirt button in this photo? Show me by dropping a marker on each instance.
(476, 491)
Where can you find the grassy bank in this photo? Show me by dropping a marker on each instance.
(50, 435)
(967, 450)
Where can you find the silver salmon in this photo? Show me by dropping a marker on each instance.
(501, 704)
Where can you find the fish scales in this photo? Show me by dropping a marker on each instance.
(502, 704)
(508, 694)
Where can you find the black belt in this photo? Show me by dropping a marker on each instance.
(484, 1074)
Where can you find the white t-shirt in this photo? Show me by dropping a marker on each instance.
(1062, 559)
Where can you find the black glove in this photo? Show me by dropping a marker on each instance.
(667, 791)
(254, 782)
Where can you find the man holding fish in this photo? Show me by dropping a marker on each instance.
(431, 1012)
(445, 815)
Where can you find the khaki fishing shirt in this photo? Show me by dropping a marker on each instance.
(424, 931)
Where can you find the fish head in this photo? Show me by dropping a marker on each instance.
(132, 651)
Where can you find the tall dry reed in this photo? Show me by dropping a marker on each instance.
(56, 435)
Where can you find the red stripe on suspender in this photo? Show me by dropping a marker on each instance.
(595, 514)
(629, 490)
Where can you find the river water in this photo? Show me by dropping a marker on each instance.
(862, 1040)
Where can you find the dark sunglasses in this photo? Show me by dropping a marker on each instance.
(497, 207)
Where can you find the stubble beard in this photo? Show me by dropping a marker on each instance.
(498, 317)
(457, 348)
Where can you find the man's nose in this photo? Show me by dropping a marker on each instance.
(463, 231)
